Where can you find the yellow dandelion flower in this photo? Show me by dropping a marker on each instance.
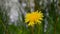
(33, 18)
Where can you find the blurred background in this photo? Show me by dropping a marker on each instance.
(12, 13)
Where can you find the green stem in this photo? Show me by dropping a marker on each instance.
(55, 25)
(32, 30)
(38, 29)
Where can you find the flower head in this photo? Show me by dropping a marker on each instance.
(33, 18)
